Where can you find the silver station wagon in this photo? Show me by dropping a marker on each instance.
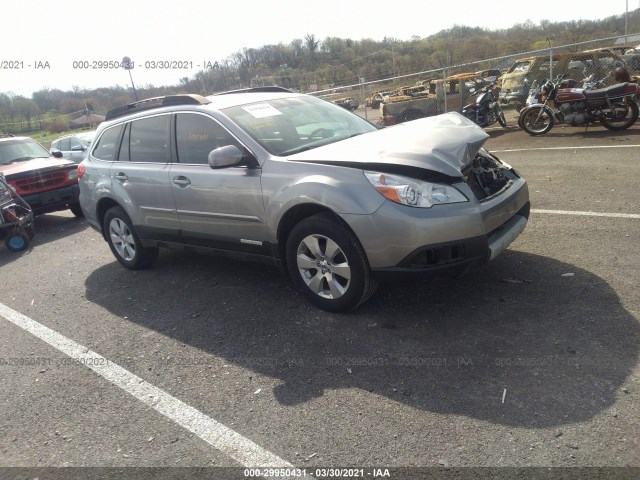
(269, 175)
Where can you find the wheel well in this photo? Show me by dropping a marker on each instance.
(296, 215)
(101, 210)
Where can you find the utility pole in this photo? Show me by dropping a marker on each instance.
(626, 22)
(127, 64)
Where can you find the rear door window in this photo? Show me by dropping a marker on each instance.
(149, 140)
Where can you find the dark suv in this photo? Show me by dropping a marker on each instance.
(47, 183)
(302, 183)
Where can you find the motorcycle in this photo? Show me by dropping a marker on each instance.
(535, 90)
(614, 107)
(485, 110)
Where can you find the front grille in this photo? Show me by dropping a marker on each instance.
(40, 180)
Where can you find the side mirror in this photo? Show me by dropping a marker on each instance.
(224, 157)
(56, 153)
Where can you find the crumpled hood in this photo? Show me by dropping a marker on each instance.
(442, 145)
(35, 164)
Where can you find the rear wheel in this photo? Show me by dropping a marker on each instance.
(536, 120)
(621, 116)
(124, 241)
(327, 263)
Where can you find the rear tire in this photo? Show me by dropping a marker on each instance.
(124, 241)
(327, 263)
(536, 120)
(619, 121)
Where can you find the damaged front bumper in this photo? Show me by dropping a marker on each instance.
(448, 239)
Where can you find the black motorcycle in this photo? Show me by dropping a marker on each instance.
(485, 110)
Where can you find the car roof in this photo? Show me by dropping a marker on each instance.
(225, 100)
(78, 134)
(216, 101)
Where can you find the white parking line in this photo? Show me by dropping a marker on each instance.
(586, 214)
(226, 440)
(564, 148)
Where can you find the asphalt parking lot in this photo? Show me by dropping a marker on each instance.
(525, 364)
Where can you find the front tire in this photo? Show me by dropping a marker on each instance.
(76, 209)
(327, 263)
(536, 120)
(619, 119)
(500, 116)
(17, 241)
(124, 241)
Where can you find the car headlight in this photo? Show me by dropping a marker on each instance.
(412, 192)
(72, 174)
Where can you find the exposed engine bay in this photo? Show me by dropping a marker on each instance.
(486, 175)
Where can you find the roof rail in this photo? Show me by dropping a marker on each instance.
(156, 102)
(269, 89)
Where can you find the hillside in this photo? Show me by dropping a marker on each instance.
(311, 63)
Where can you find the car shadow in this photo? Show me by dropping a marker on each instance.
(513, 343)
(48, 228)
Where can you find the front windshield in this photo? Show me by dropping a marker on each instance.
(290, 125)
(20, 149)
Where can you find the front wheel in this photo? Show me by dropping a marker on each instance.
(76, 209)
(17, 241)
(536, 120)
(621, 116)
(327, 263)
(500, 116)
(124, 241)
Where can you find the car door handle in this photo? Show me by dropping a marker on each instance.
(181, 181)
(121, 176)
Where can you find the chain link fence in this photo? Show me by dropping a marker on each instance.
(431, 92)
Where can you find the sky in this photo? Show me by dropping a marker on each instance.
(69, 43)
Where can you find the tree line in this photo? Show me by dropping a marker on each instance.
(309, 63)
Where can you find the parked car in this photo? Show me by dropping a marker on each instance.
(48, 183)
(74, 146)
(633, 62)
(298, 182)
(349, 103)
(490, 75)
(448, 94)
(376, 98)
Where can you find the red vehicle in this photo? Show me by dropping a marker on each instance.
(47, 183)
(614, 107)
